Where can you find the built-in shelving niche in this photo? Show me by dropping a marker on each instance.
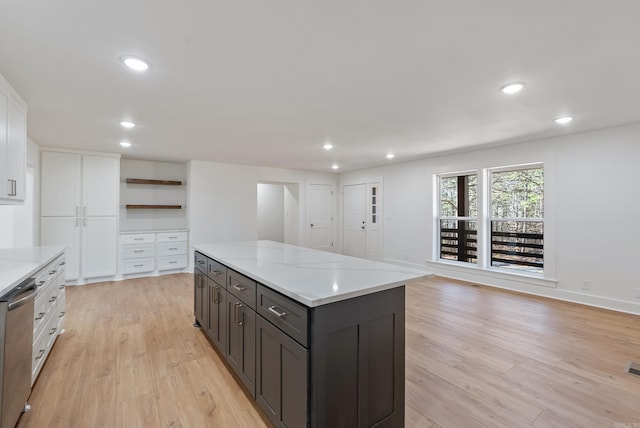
(152, 195)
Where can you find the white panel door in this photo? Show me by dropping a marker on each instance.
(100, 184)
(320, 215)
(60, 191)
(355, 214)
(64, 231)
(99, 246)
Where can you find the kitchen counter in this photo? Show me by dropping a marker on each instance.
(18, 264)
(308, 276)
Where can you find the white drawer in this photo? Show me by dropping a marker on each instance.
(171, 248)
(39, 316)
(172, 262)
(38, 356)
(172, 236)
(137, 251)
(137, 238)
(138, 265)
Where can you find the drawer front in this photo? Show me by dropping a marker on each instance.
(217, 272)
(39, 316)
(137, 238)
(138, 265)
(172, 262)
(172, 236)
(242, 287)
(200, 261)
(289, 316)
(171, 248)
(138, 251)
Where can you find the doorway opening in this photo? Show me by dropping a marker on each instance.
(279, 212)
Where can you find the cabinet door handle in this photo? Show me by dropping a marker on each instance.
(240, 314)
(274, 311)
(85, 210)
(216, 296)
(237, 313)
(237, 287)
(77, 224)
(77, 210)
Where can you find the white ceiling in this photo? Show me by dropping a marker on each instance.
(266, 82)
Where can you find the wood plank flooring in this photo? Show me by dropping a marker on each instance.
(475, 357)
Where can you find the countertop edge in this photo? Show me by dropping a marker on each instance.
(57, 251)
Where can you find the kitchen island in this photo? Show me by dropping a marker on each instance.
(316, 338)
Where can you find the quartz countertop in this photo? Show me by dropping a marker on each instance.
(310, 277)
(18, 264)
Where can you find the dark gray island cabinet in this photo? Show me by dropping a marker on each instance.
(313, 361)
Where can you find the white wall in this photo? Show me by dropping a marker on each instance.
(222, 199)
(591, 210)
(291, 213)
(271, 212)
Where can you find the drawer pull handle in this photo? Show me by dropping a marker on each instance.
(53, 299)
(200, 262)
(138, 239)
(40, 316)
(237, 287)
(173, 249)
(53, 330)
(138, 251)
(63, 263)
(40, 354)
(52, 272)
(173, 262)
(61, 314)
(173, 237)
(274, 311)
(41, 282)
(217, 272)
(138, 265)
(61, 287)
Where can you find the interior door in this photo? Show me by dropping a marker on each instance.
(355, 220)
(320, 215)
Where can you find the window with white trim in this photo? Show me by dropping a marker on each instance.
(458, 217)
(517, 218)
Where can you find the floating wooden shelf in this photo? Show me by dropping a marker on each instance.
(154, 207)
(158, 182)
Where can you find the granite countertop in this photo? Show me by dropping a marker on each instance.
(18, 264)
(310, 277)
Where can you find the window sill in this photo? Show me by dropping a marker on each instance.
(442, 267)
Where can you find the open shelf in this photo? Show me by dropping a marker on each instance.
(153, 207)
(158, 182)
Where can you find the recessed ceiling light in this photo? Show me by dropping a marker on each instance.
(564, 120)
(125, 144)
(334, 166)
(390, 156)
(327, 146)
(127, 124)
(512, 88)
(134, 63)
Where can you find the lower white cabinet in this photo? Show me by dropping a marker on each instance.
(153, 252)
(49, 311)
(91, 244)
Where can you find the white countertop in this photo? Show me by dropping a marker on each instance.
(309, 276)
(18, 264)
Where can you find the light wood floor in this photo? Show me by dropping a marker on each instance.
(476, 357)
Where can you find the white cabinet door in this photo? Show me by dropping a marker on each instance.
(99, 246)
(17, 148)
(5, 184)
(63, 231)
(100, 184)
(60, 193)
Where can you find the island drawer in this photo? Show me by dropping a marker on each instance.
(288, 315)
(217, 272)
(242, 287)
(201, 261)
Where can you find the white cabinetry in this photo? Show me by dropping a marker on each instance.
(48, 314)
(153, 253)
(79, 207)
(13, 145)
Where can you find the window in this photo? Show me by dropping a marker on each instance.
(458, 218)
(517, 219)
(508, 205)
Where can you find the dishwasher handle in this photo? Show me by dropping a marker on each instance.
(22, 294)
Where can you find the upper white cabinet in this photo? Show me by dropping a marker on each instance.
(79, 207)
(13, 145)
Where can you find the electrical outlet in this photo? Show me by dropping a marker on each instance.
(586, 284)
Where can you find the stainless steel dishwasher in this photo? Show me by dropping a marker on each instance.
(16, 345)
